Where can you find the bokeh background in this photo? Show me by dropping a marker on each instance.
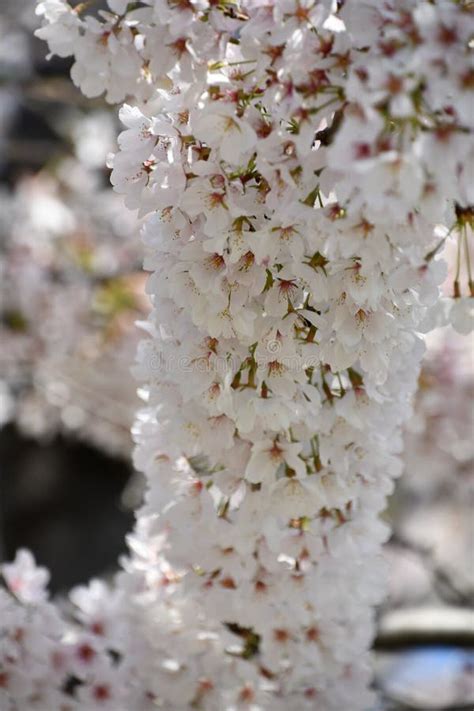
(71, 300)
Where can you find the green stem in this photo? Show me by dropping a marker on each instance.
(457, 288)
(468, 262)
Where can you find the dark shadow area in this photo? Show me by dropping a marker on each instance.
(62, 500)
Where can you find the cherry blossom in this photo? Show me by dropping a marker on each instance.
(295, 161)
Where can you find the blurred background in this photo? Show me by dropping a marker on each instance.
(71, 292)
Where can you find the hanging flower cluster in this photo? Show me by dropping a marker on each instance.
(300, 164)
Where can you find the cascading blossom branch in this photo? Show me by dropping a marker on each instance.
(300, 165)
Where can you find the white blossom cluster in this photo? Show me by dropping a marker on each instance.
(300, 165)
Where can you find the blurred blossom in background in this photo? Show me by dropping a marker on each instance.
(71, 290)
(71, 293)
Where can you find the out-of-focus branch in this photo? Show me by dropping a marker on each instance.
(391, 704)
(443, 582)
(34, 151)
(425, 626)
